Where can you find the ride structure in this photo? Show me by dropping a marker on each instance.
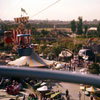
(22, 37)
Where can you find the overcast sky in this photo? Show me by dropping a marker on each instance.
(65, 10)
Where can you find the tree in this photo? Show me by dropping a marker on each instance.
(28, 26)
(34, 30)
(56, 49)
(44, 32)
(94, 68)
(98, 29)
(79, 26)
(73, 26)
(85, 29)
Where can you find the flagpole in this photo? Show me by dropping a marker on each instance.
(21, 13)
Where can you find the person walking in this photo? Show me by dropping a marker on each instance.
(91, 97)
(68, 97)
(79, 95)
(67, 93)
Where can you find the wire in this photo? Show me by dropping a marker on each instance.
(45, 8)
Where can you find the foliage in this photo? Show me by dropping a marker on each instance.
(98, 29)
(28, 26)
(44, 32)
(94, 68)
(34, 30)
(79, 26)
(1, 44)
(42, 49)
(56, 49)
(6, 27)
(92, 34)
(98, 57)
(61, 41)
(77, 47)
(85, 28)
(73, 26)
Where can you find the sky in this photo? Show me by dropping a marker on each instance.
(65, 10)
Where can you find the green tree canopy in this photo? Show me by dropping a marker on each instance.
(85, 29)
(34, 30)
(94, 68)
(44, 32)
(80, 25)
(73, 26)
(98, 29)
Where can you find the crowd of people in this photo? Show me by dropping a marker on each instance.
(72, 65)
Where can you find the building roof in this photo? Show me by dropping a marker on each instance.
(92, 29)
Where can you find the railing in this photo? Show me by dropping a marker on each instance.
(40, 73)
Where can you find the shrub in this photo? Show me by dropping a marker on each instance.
(94, 68)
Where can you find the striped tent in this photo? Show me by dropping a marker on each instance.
(32, 61)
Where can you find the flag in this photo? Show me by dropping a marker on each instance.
(23, 10)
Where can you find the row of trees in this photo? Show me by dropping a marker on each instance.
(79, 28)
(76, 26)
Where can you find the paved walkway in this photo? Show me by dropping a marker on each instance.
(73, 90)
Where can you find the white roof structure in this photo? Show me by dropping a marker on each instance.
(65, 53)
(43, 88)
(92, 29)
(82, 52)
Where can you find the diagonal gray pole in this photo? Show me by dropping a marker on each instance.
(40, 73)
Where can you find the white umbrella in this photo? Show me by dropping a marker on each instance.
(43, 88)
(58, 66)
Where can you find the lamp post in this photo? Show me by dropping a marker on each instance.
(74, 40)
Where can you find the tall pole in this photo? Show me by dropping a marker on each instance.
(74, 38)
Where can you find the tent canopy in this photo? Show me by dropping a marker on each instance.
(32, 61)
(43, 88)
